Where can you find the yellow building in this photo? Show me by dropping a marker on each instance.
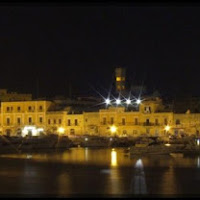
(150, 119)
(16, 115)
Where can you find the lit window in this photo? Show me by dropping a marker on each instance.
(118, 78)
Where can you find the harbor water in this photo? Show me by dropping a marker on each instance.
(98, 172)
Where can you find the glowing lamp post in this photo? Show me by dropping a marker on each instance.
(138, 101)
(167, 128)
(107, 101)
(61, 130)
(113, 129)
(128, 101)
(118, 101)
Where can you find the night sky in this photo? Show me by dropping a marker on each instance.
(52, 47)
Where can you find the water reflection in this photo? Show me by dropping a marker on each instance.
(113, 158)
(169, 183)
(198, 162)
(138, 183)
(98, 171)
(64, 186)
(86, 154)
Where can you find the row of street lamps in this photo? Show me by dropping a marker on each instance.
(119, 101)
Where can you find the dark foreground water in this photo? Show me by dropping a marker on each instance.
(84, 172)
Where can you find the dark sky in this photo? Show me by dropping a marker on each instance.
(82, 45)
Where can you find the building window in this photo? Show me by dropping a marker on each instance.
(60, 121)
(118, 78)
(136, 121)
(85, 120)
(72, 132)
(165, 121)
(18, 120)
(40, 119)
(8, 109)
(147, 122)
(156, 121)
(18, 109)
(112, 120)
(68, 122)
(147, 109)
(40, 108)
(178, 121)
(11, 108)
(29, 108)
(49, 121)
(76, 122)
(8, 121)
(123, 121)
(29, 120)
(54, 121)
(104, 121)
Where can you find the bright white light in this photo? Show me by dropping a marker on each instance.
(32, 129)
(139, 164)
(128, 101)
(138, 101)
(113, 129)
(86, 139)
(107, 101)
(167, 128)
(167, 144)
(40, 129)
(111, 139)
(61, 130)
(198, 142)
(118, 101)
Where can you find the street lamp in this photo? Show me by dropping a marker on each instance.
(113, 129)
(138, 101)
(107, 101)
(128, 101)
(118, 101)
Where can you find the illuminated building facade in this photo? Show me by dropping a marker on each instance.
(150, 119)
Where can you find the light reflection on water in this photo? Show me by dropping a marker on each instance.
(98, 171)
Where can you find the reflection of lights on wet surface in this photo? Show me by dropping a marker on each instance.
(28, 156)
(105, 171)
(198, 162)
(113, 158)
(86, 154)
(138, 183)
